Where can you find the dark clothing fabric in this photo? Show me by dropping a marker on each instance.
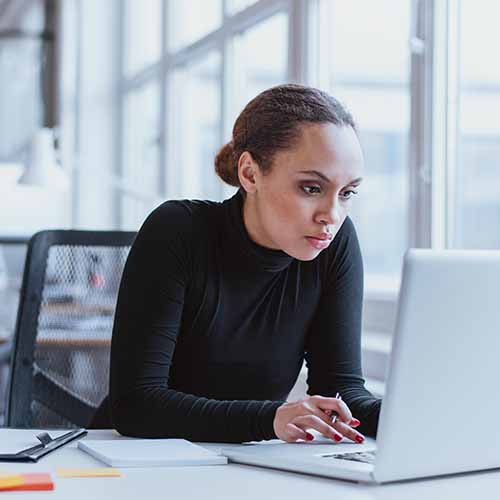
(211, 329)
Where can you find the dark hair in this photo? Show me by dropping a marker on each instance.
(272, 122)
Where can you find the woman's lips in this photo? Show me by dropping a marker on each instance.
(317, 243)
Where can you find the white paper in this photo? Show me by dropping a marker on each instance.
(150, 452)
(15, 440)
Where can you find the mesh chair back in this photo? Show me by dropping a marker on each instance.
(59, 372)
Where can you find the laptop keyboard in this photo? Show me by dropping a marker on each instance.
(367, 457)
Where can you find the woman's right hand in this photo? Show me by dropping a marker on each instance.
(292, 420)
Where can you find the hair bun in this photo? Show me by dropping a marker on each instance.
(225, 166)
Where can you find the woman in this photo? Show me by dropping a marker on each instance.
(220, 303)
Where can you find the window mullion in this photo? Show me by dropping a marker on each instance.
(162, 132)
(118, 197)
(224, 82)
(452, 117)
(420, 179)
(298, 71)
(444, 119)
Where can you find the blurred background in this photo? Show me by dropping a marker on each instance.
(109, 107)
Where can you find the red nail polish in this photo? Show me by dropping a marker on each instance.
(337, 438)
(360, 439)
(355, 421)
(309, 437)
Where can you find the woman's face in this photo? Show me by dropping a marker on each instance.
(308, 192)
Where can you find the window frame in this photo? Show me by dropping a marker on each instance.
(434, 54)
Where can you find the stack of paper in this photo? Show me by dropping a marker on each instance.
(150, 452)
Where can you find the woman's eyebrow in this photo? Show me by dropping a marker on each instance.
(326, 179)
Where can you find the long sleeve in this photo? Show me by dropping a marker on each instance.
(148, 321)
(333, 345)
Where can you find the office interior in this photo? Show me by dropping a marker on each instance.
(108, 108)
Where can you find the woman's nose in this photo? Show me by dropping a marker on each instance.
(332, 216)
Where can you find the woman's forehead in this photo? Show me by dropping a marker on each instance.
(329, 149)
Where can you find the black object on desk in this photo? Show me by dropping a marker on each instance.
(47, 445)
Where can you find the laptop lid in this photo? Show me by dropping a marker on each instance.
(441, 398)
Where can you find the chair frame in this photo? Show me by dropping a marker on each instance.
(24, 380)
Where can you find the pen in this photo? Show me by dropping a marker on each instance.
(334, 413)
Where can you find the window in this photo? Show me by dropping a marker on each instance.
(368, 70)
(178, 105)
(476, 219)
(257, 68)
(140, 154)
(428, 129)
(23, 100)
(143, 34)
(250, 75)
(189, 21)
(194, 131)
(234, 6)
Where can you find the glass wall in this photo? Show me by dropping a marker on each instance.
(141, 146)
(143, 29)
(477, 180)
(255, 67)
(194, 128)
(178, 105)
(190, 21)
(368, 70)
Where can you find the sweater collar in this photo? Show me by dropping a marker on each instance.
(254, 255)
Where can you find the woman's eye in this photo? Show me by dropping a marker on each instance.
(348, 194)
(312, 189)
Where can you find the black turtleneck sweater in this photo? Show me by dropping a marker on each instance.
(211, 329)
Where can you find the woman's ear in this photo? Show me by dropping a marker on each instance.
(247, 172)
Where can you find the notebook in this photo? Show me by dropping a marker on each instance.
(150, 452)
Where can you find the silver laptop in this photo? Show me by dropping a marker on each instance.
(442, 385)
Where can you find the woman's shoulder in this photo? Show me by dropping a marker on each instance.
(185, 209)
(180, 218)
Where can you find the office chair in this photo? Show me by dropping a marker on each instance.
(60, 359)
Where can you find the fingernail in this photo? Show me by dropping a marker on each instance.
(360, 439)
(309, 437)
(337, 438)
(355, 421)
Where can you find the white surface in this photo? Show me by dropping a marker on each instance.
(150, 452)
(235, 481)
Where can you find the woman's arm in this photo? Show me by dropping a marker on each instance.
(147, 323)
(333, 346)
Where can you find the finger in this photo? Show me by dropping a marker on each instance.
(314, 422)
(349, 432)
(333, 404)
(293, 433)
(311, 409)
(353, 423)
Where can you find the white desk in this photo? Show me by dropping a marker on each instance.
(233, 481)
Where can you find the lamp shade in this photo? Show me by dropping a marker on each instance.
(41, 169)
